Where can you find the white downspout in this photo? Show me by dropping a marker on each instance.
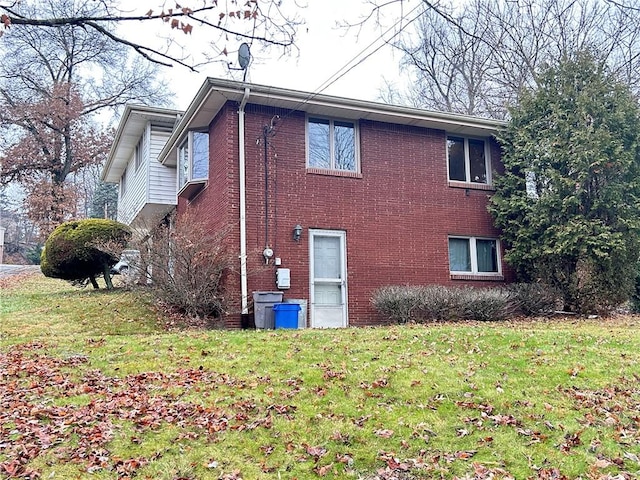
(243, 205)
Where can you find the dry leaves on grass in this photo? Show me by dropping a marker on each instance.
(613, 410)
(31, 424)
(14, 281)
(36, 419)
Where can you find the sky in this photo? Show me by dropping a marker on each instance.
(323, 49)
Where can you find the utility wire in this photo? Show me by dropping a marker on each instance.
(270, 131)
(350, 65)
(347, 68)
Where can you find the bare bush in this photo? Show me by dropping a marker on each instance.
(484, 304)
(403, 304)
(187, 262)
(532, 299)
(440, 303)
(400, 303)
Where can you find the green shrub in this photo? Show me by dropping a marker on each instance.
(82, 249)
(33, 254)
(634, 298)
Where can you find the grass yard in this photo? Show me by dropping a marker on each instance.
(92, 387)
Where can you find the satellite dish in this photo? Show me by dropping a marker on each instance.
(244, 56)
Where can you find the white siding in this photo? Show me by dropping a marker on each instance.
(134, 197)
(136, 189)
(152, 183)
(121, 216)
(162, 179)
(128, 204)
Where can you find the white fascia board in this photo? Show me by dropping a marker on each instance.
(214, 93)
(121, 150)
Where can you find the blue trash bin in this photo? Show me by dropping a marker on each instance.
(286, 315)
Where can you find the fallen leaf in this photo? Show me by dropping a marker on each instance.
(632, 456)
(322, 471)
(602, 463)
(316, 452)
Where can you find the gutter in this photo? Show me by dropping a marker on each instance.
(243, 206)
(215, 92)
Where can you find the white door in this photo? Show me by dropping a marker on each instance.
(328, 272)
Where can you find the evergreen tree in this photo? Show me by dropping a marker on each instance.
(105, 200)
(568, 202)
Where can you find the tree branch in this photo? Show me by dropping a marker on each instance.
(175, 20)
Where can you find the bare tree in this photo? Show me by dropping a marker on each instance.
(527, 34)
(476, 58)
(36, 58)
(261, 21)
(53, 82)
(453, 64)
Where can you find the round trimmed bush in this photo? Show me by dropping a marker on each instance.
(82, 249)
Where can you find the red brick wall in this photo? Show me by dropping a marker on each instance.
(397, 215)
(217, 204)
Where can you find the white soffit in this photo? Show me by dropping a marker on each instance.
(214, 93)
(132, 124)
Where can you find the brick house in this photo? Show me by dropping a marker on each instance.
(327, 198)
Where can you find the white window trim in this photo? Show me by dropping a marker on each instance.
(467, 167)
(189, 174)
(187, 141)
(356, 140)
(474, 257)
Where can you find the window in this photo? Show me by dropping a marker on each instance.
(473, 255)
(183, 163)
(123, 183)
(468, 160)
(193, 159)
(137, 155)
(332, 145)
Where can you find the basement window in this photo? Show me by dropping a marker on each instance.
(475, 256)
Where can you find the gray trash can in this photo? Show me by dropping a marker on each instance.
(302, 314)
(263, 303)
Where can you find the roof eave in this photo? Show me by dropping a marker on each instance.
(214, 93)
(115, 158)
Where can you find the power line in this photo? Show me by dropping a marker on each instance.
(348, 67)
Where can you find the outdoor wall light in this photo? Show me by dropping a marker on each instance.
(297, 232)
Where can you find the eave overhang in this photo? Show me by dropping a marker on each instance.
(132, 124)
(215, 93)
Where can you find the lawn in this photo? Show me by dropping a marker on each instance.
(93, 386)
